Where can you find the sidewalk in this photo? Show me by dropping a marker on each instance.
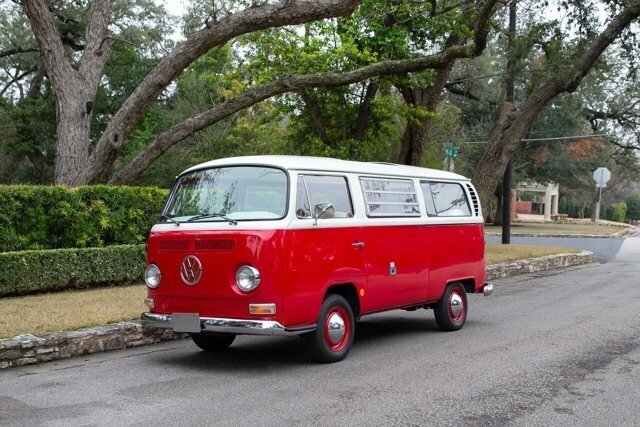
(31, 349)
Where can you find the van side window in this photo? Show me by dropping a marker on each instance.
(445, 199)
(390, 197)
(323, 196)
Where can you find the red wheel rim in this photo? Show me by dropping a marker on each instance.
(456, 306)
(336, 340)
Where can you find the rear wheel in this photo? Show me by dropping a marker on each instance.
(332, 339)
(213, 343)
(451, 309)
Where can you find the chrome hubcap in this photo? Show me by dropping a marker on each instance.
(455, 305)
(335, 328)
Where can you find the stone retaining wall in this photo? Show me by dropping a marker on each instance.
(30, 349)
(549, 262)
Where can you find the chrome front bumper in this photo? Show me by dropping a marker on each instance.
(232, 326)
(487, 289)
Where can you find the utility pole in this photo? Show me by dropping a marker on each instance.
(506, 180)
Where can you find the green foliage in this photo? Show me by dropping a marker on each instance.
(619, 212)
(59, 269)
(41, 217)
(328, 122)
(633, 208)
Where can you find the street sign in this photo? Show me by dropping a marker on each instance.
(601, 176)
(451, 149)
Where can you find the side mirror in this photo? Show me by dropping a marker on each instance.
(323, 210)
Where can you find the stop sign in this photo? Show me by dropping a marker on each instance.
(601, 176)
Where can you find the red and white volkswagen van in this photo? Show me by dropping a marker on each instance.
(285, 245)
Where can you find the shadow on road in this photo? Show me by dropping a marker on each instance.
(254, 354)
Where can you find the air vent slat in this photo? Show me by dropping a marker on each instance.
(215, 244)
(174, 245)
(474, 199)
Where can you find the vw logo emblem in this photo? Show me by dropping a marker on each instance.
(190, 270)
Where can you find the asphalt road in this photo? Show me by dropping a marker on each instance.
(559, 349)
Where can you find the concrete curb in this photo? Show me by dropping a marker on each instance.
(30, 349)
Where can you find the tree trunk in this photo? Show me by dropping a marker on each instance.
(73, 128)
(317, 121)
(74, 89)
(416, 134)
(513, 123)
(364, 111)
(497, 214)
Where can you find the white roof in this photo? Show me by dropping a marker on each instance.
(304, 163)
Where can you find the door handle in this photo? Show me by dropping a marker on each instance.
(358, 245)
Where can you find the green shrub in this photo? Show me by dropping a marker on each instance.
(619, 212)
(35, 271)
(633, 207)
(50, 217)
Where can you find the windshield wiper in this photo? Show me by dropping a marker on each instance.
(213, 215)
(167, 218)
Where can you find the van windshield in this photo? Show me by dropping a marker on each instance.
(232, 193)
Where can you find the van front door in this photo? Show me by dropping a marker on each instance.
(322, 248)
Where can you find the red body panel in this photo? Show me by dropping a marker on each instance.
(298, 266)
(316, 259)
(456, 252)
(405, 249)
(221, 254)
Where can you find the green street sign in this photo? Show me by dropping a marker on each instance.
(451, 149)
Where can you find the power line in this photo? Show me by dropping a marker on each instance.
(558, 138)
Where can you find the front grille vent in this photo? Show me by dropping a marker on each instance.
(474, 199)
(215, 245)
(174, 245)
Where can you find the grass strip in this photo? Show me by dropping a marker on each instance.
(68, 310)
(497, 253)
(565, 229)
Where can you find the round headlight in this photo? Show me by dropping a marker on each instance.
(152, 276)
(247, 278)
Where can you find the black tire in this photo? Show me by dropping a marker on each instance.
(213, 343)
(329, 347)
(451, 310)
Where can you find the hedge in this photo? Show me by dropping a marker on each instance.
(51, 217)
(633, 208)
(619, 212)
(35, 271)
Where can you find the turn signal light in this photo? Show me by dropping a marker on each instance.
(262, 309)
(149, 302)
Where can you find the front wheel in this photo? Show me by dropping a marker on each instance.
(213, 343)
(451, 310)
(332, 339)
